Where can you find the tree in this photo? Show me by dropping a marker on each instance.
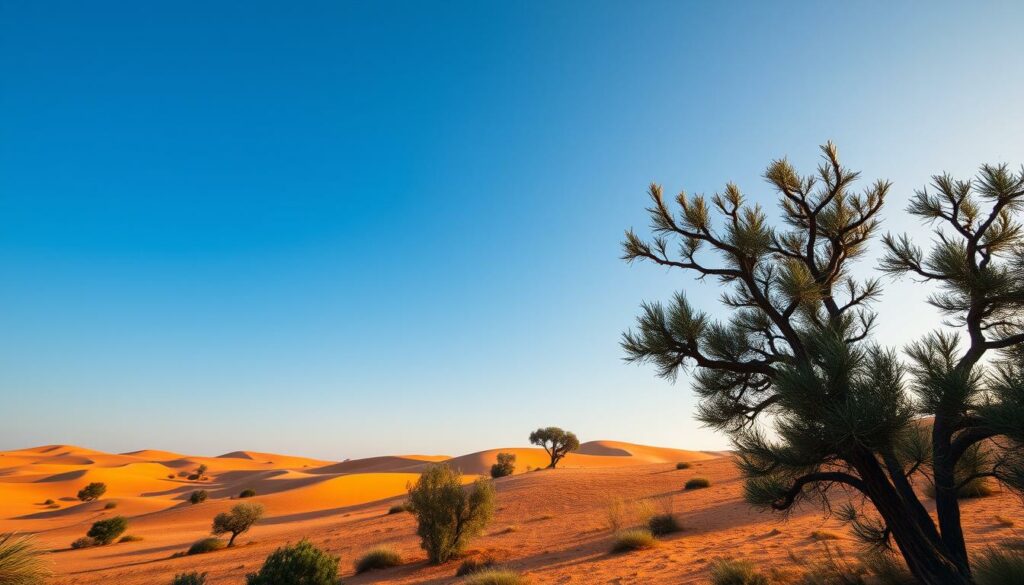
(201, 470)
(198, 497)
(448, 515)
(795, 353)
(93, 491)
(506, 465)
(556, 442)
(240, 519)
(298, 563)
(106, 531)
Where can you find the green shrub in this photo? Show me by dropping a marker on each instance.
(999, 567)
(299, 563)
(239, 520)
(192, 578)
(248, 493)
(110, 506)
(506, 465)
(496, 577)
(106, 531)
(206, 545)
(729, 572)
(697, 483)
(662, 524)
(682, 465)
(92, 491)
(447, 515)
(21, 561)
(633, 539)
(475, 565)
(399, 508)
(131, 538)
(193, 477)
(198, 497)
(380, 557)
(83, 542)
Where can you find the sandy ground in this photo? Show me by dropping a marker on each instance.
(551, 524)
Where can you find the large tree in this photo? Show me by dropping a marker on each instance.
(793, 374)
(557, 443)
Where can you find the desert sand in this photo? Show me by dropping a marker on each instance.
(551, 525)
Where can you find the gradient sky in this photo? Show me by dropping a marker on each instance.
(347, 229)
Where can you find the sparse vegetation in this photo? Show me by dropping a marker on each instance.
(49, 502)
(206, 545)
(732, 572)
(556, 442)
(198, 497)
(21, 561)
(247, 493)
(683, 465)
(475, 565)
(825, 535)
(110, 506)
(83, 542)
(201, 470)
(697, 483)
(448, 515)
(239, 520)
(633, 539)
(506, 465)
(93, 491)
(130, 538)
(399, 508)
(297, 563)
(496, 577)
(106, 531)
(999, 567)
(381, 557)
(192, 578)
(662, 524)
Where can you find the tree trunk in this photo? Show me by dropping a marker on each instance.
(947, 506)
(231, 541)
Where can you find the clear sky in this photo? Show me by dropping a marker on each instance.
(343, 229)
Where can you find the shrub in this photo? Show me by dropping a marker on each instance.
(496, 577)
(110, 506)
(21, 562)
(999, 567)
(633, 539)
(475, 565)
(506, 465)
(201, 470)
(106, 531)
(92, 491)
(682, 465)
(248, 493)
(399, 508)
(206, 545)
(83, 542)
(193, 477)
(297, 563)
(171, 476)
(240, 519)
(697, 483)
(662, 524)
(130, 538)
(49, 502)
(198, 497)
(380, 557)
(447, 515)
(729, 572)
(192, 578)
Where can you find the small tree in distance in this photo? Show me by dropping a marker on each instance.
(240, 519)
(556, 442)
(448, 515)
(93, 491)
(506, 465)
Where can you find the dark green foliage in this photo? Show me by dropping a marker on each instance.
(297, 564)
(447, 514)
(201, 470)
(731, 572)
(662, 524)
(697, 483)
(247, 493)
(106, 531)
(239, 520)
(206, 545)
(475, 565)
(192, 578)
(506, 465)
(110, 505)
(93, 491)
(399, 508)
(556, 442)
(887, 569)
(21, 561)
(381, 557)
(682, 465)
(198, 497)
(633, 539)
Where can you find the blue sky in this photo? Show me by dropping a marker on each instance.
(346, 229)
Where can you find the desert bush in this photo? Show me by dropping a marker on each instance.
(106, 531)
(662, 524)
(130, 538)
(192, 578)
(193, 477)
(475, 565)
(201, 470)
(633, 539)
(110, 506)
(556, 442)
(380, 557)
(248, 493)
(506, 465)
(297, 563)
(999, 567)
(92, 491)
(731, 572)
(697, 483)
(496, 577)
(198, 497)
(21, 561)
(448, 515)
(206, 545)
(49, 502)
(239, 520)
(399, 508)
(83, 542)
(682, 465)
(170, 476)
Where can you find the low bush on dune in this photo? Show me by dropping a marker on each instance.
(130, 538)
(193, 477)
(662, 524)
(496, 577)
(448, 516)
(730, 572)
(697, 483)
(110, 506)
(825, 535)
(92, 491)
(198, 497)
(633, 539)
(49, 502)
(21, 561)
(83, 542)
(999, 567)
(506, 465)
(206, 545)
(399, 508)
(247, 493)
(106, 531)
(682, 465)
(475, 565)
(192, 578)
(298, 563)
(381, 557)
